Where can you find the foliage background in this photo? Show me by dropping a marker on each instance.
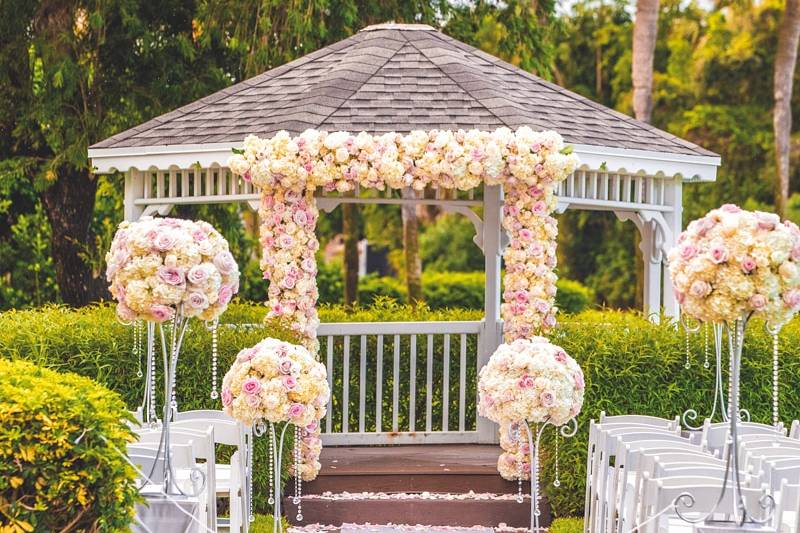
(631, 366)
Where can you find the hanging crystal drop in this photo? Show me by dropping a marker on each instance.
(214, 353)
(706, 348)
(557, 481)
(535, 479)
(775, 366)
(520, 462)
(174, 362)
(249, 471)
(298, 479)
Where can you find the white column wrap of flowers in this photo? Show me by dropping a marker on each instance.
(288, 170)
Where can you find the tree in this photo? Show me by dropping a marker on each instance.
(74, 72)
(785, 61)
(645, 31)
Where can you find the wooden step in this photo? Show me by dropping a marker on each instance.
(427, 508)
(413, 468)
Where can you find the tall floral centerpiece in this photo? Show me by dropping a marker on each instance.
(275, 385)
(729, 266)
(163, 272)
(529, 381)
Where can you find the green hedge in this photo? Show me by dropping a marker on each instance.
(61, 440)
(566, 525)
(464, 290)
(631, 366)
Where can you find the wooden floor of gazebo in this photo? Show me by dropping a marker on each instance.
(436, 485)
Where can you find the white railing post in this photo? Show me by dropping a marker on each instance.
(491, 335)
(674, 218)
(134, 190)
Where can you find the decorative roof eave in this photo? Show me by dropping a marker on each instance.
(689, 167)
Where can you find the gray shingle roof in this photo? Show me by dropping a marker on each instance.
(396, 77)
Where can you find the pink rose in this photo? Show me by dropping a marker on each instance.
(289, 382)
(730, 208)
(225, 294)
(547, 399)
(309, 265)
(125, 313)
(521, 296)
(542, 306)
(758, 301)
(285, 366)
(225, 263)
(719, 254)
(700, 289)
(792, 298)
(197, 300)
(796, 252)
(252, 400)
(688, 251)
(525, 382)
(540, 207)
(300, 218)
(247, 354)
(550, 321)
(748, 264)
(227, 397)
(296, 410)
(251, 386)
(561, 356)
(679, 296)
(312, 427)
(198, 274)
(285, 241)
(525, 234)
(160, 313)
(165, 240)
(247, 176)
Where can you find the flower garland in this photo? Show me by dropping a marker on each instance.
(288, 170)
(157, 264)
(732, 262)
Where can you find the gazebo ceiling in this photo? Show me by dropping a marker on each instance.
(401, 77)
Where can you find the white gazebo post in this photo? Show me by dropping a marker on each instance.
(492, 335)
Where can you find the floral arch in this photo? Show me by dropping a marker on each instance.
(288, 170)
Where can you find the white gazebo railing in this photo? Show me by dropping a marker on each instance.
(401, 382)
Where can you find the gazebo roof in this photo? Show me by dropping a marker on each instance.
(399, 77)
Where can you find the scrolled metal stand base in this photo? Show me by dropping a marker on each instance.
(739, 513)
(567, 430)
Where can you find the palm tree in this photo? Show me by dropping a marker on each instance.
(645, 30)
(785, 60)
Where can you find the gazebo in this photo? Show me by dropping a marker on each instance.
(404, 77)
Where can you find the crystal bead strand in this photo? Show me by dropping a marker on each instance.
(688, 364)
(271, 453)
(152, 358)
(516, 434)
(214, 353)
(535, 474)
(298, 480)
(706, 363)
(249, 472)
(556, 481)
(137, 345)
(174, 362)
(775, 419)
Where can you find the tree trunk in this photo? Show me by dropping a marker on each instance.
(645, 30)
(411, 248)
(785, 60)
(350, 232)
(69, 203)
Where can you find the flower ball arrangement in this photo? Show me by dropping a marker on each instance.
(157, 265)
(530, 380)
(276, 381)
(732, 263)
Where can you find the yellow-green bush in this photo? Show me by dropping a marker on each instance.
(60, 464)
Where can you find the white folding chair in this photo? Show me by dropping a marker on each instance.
(609, 422)
(715, 436)
(230, 433)
(787, 509)
(660, 494)
(609, 441)
(794, 432)
(203, 447)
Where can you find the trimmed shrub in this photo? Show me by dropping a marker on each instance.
(61, 440)
(463, 290)
(566, 525)
(631, 366)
